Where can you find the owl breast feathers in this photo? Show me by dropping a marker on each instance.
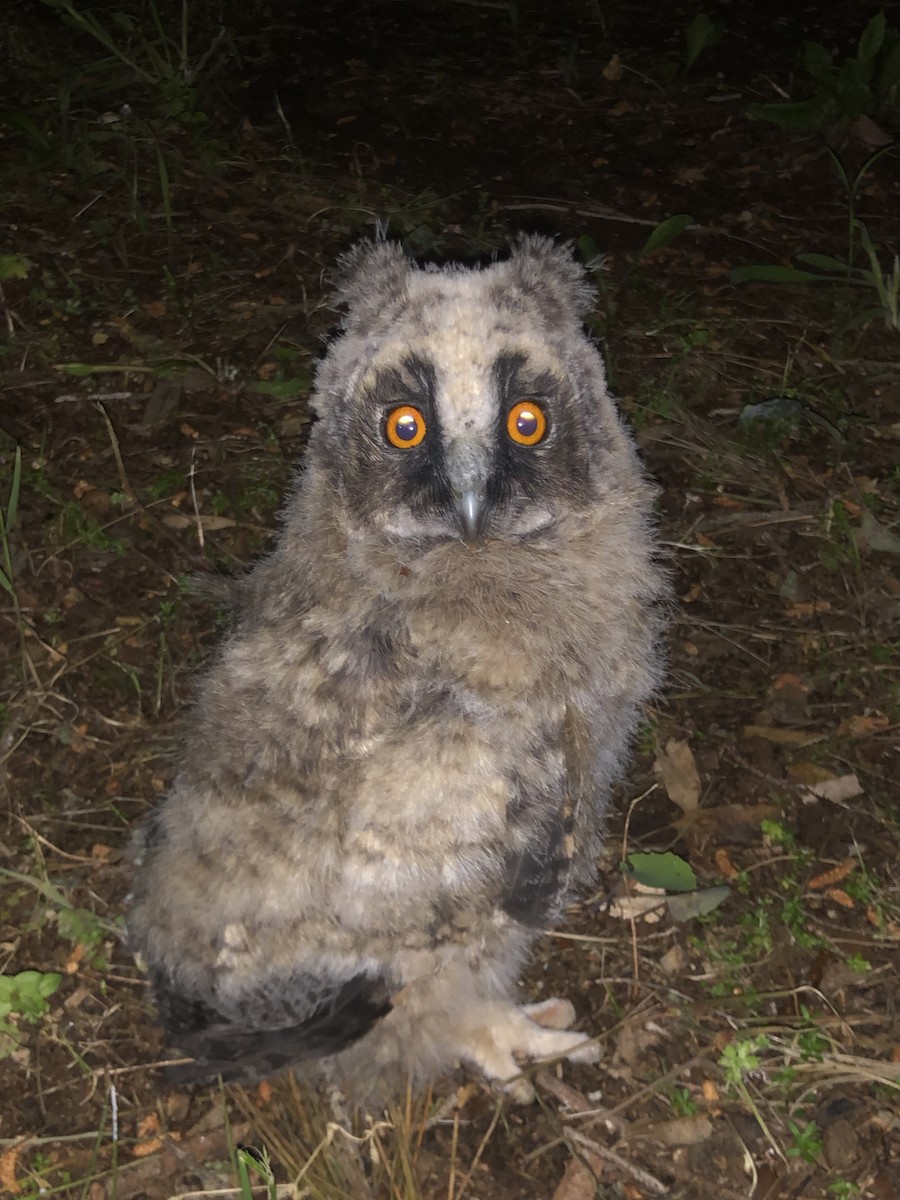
(396, 772)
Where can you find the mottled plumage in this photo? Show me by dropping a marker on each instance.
(397, 769)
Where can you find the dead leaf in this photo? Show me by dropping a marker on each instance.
(734, 823)
(677, 770)
(209, 523)
(162, 401)
(613, 69)
(790, 698)
(863, 725)
(870, 134)
(838, 790)
(725, 866)
(674, 960)
(872, 535)
(800, 610)
(640, 903)
(686, 176)
(782, 737)
(807, 773)
(680, 1131)
(579, 1182)
(840, 897)
(687, 905)
(633, 1039)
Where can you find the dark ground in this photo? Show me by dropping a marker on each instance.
(162, 309)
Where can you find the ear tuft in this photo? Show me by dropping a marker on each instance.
(368, 278)
(542, 266)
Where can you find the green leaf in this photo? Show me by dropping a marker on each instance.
(816, 59)
(872, 38)
(666, 232)
(702, 33)
(587, 248)
(14, 266)
(688, 905)
(803, 115)
(666, 871)
(282, 389)
(824, 261)
(773, 274)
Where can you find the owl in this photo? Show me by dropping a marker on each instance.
(396, 771)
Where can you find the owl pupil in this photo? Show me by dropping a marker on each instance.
(407, 427)
(527, 424)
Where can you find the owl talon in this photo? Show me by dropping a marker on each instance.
(552, 1013)
(528, 1034)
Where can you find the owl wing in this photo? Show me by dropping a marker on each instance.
(266, 1032)
(538, 874)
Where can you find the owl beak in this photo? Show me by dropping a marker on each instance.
(470, 510)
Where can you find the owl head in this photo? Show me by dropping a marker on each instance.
(464, 404)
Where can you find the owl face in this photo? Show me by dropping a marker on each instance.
(463, 404)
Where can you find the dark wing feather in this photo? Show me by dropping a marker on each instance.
(537, 876)
(249, 1045)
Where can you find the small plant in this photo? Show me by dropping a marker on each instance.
(683, 1103)
(661, 236)
(868, 83)
(843, 1189)
(153, 53)
(24, 996)
(257, 1162)
(807, 1141)
(702, 34)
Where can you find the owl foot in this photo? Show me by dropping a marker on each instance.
(506, 1033)
(551, 1014)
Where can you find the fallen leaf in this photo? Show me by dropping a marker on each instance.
(674, 960)
(726, 867)
(870, 134)
(613, 69)
(863, 725)
(579, 1182)
(801, 610)
(209, 523)
(840, 897)
(734, 823)
(838, 790)
(872, 535)
(641, 906)
(634, 1037)
(680, 1131)
(808, 773)
(677, 771)
(686, 176)
(148, 1124)
(696, 904)
(782, 737)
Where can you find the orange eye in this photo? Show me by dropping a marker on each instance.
(405, 427)
(526, 423)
